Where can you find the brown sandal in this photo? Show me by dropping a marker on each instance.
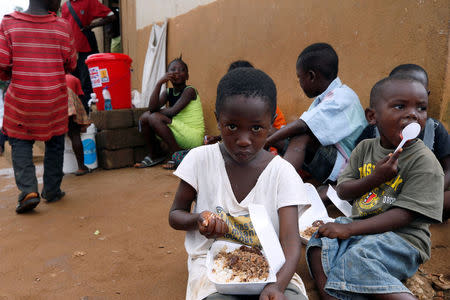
(28, 203)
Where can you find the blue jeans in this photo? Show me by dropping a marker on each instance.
(25, 172)
(366, 264)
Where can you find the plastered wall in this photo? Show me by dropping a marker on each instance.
(149, 11)
(370, 37)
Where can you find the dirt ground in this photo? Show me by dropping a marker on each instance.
(109, 238)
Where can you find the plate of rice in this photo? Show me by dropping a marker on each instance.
(238, 269)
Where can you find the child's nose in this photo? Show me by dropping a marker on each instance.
(243, 140)
(413, 114)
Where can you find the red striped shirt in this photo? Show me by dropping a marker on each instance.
(35, 53)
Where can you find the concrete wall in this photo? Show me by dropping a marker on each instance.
(370, 37)
(149, 11)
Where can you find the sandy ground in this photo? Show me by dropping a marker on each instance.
(109, 238)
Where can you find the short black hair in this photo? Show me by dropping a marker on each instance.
(248, 82)
(319, 57)
(239, 64)
(405, 68)
(180, 60)
(375, 93)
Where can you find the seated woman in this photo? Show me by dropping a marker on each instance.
(175, 116)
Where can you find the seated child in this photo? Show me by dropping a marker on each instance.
(396, 196)
(78, 121)
(279, 118)
(280, 121)
(322, 139)
(180, 124)
(224, 178)
(434, 135)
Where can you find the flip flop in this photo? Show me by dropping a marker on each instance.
(148, 162)
(170, 165)
(82, 172)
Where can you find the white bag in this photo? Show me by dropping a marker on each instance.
(155, 64)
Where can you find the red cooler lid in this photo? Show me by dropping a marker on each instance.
(108, 57)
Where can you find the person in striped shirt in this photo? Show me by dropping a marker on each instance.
(36, 50)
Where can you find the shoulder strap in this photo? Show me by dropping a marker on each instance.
(190, 86)
(74, 14)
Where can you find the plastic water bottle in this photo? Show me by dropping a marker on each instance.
(107, 98)
(92, 103)
(89, 149)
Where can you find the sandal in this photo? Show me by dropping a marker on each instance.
(148, 162)
(170, 165)
(81, 172)
(53, 198)
(28, 203)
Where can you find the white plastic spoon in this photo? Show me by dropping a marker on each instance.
(408, 133)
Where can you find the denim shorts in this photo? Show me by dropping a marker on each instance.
(365, 264)
(322, 162)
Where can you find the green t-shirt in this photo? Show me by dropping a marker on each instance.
(417, 187)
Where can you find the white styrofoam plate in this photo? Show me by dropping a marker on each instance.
(235, 288)
(317, 211)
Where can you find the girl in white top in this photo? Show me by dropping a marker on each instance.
(223, 179)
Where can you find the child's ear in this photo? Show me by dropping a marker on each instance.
(273, 119)
(370, 116)
(311, 75)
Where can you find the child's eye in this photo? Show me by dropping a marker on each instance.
(422, 108)
(399, 106)
(256, 128)
(231, 127)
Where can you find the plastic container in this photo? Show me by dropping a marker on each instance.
(111, 71)
(89, 149)
(271, 249)
(70, 164)
(92, 103)
(315, 212)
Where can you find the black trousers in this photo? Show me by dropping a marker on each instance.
(82, 73)
(3, 138)
(25, 172)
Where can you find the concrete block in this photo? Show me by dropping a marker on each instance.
(137, 112)
(119, 139)
(112, 119)
(114, 159)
